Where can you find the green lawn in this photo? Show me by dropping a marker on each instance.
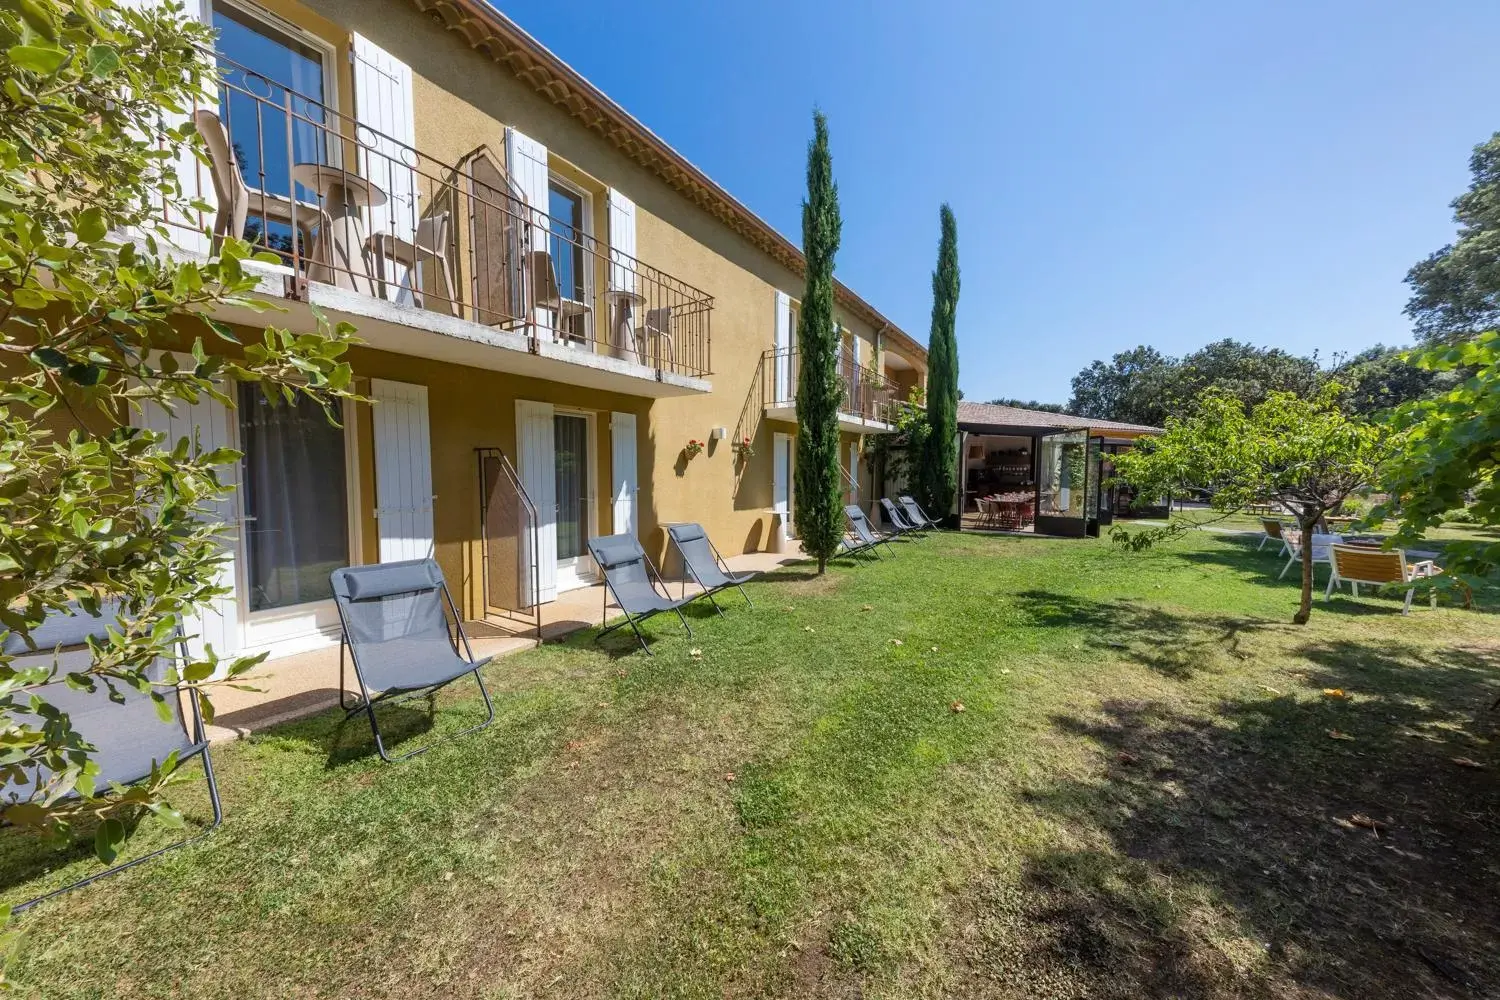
(1140, 797)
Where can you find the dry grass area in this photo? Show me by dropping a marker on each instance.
(1080, 773)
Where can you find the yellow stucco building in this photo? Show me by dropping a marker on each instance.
(541, 284)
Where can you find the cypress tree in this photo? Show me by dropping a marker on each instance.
(818, 509)
(939, 474)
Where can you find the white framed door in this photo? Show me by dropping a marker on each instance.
(623, 472)
(574, 473)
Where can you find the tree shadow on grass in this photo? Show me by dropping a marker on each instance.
(1170, 644)
(1336, 835)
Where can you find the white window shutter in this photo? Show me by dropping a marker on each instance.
(783, 344)
(622, 429)
(403, 470)
(215, 426)
(537, 457)
(187, 228)
(526, 160)
(621, 242)
(387, 136)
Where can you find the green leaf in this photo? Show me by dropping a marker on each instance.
(91, 224)
(29, 298)
(50, 357)
(103, 60)
(37, 58)
(108, 838)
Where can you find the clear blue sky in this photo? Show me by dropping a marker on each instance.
(1123, 173)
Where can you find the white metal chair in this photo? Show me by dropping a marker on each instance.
(1357, 564)
(1320, 544)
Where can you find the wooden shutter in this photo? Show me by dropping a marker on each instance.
(387, 134)
(526, 159)
(536, 452)
(218, 624)
(622, 427)
(403, 470)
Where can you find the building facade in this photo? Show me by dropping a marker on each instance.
(553, 305)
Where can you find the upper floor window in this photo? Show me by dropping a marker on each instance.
(568, 209)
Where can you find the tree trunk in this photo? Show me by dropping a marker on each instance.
(1309, 523)
(822, 564)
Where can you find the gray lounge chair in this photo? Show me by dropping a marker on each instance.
(915, 513)
(704, 564)
(898, 518)
(866, 538)
(633, 581)
(396, 632)
(130, 739)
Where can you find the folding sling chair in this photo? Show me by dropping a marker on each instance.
(396, 633)
(864, 532)
(129, 738)
(633, 581)
(703, 563)
(914, 512)
(903, 524)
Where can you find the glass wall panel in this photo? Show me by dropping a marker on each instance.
(1062, 475)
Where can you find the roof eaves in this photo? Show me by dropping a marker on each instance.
(489, 31)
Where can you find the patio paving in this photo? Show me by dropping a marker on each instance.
(306, 683)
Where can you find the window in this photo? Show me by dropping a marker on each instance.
(294, 495)
(569, 224)
(265, 71)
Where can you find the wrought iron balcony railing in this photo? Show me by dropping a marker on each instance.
(867, 394)
(342, 203)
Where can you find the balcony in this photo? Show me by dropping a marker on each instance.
(427, 258)
(868, 402)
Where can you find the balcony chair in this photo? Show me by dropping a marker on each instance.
(236, 199)
(635, 584)
(1357, 564)
(129, 737)
(395, 629)
(658, 328)
(702, 562)
(429, 244)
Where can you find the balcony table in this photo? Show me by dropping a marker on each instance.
(343, 194)
(622, 306)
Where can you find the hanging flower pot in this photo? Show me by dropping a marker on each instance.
(746, 450)
(693, 449)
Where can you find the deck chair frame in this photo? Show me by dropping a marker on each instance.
(898, 517)
(366, 703)
(657, 585)
(720, 562)
(198, 747)
(914, 511)
(869, 539)
(1410, 574)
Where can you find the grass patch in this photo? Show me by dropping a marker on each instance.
(1080, 773)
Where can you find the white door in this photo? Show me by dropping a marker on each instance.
(217, 625)
(623, 471)
(403, 470)
(538, 470)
